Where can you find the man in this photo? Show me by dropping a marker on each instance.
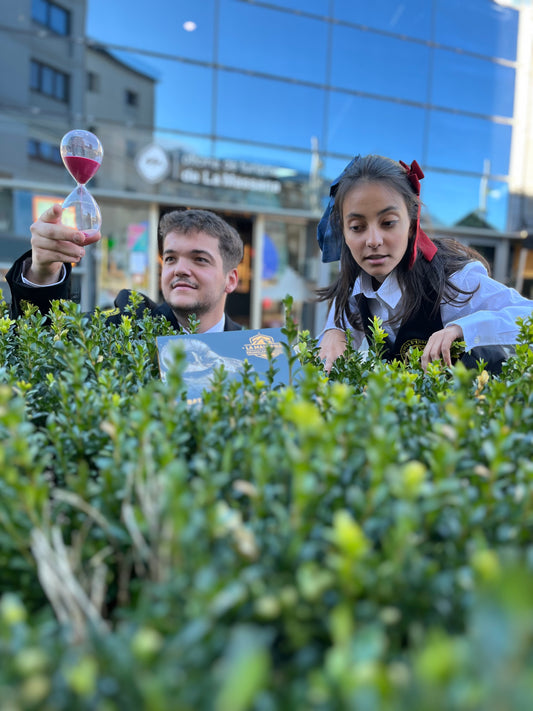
(200, 253)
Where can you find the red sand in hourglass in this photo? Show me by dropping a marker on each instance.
(81, 169)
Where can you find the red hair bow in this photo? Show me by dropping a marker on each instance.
(422, 241)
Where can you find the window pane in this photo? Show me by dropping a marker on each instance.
(410, 17)
(39, 11)
(450, 199)
(62, 84)
(33, 149)
(131, 24)
(183, 95)
(379, 65)
(46, 151)
(360, 125)
(273, 42)
(93, 82)
(472, 84)
(495, 26)
(175, 141)
(60, 88)
(269, 111)
(6, 226)
(56, 155)
(131, 98)
(464, 143)
(35, 75)
(59, 20)
(314, 7)
(47, 78)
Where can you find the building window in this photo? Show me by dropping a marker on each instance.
(131, 148)
(42, 150)
(93, 82)
(49, 81)
(131, 98)
(52, 16)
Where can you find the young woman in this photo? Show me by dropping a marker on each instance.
(428, 294)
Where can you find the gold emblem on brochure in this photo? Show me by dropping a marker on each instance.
(258, 346)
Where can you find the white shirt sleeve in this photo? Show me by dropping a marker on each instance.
(489, 317)
(330, 321)
(25, 266)
(358, 337)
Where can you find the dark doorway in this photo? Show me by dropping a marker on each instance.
(238, 303)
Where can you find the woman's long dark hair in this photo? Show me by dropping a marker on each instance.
(425, 281)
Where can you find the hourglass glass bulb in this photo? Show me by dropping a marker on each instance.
(83, 210)
(82, 154)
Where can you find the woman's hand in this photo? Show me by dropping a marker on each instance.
(332, 345)
(53, 244)
(439, 344)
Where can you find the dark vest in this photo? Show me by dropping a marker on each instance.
(415, 332)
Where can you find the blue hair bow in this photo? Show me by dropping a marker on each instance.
(330, 242)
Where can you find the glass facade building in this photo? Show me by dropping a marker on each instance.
(251, 108)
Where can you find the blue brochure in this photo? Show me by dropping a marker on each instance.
(206, 351)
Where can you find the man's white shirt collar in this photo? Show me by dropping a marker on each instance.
(217, 328)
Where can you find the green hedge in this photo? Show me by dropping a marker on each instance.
(361, 541)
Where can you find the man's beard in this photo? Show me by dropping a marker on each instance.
(195, 310)
(198, 309)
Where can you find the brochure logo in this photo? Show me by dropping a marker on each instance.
(258, 346)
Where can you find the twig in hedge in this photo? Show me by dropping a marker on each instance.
(98, 584)
(73, 499)
(137, 537)
(71, 604)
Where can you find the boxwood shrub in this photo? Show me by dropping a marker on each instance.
(354, 541)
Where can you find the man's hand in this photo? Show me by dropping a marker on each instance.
(439, 344)
(53, 244)
(332, 346)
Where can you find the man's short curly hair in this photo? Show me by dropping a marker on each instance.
(187, 221)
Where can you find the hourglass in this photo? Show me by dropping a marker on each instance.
(82, 155)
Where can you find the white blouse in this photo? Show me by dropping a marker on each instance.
(488, 318)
